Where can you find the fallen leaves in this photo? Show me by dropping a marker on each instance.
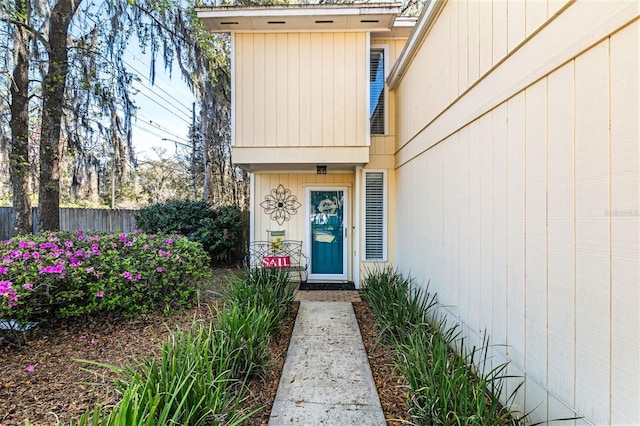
(56, 389)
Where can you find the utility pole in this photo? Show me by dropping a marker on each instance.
(193, 150)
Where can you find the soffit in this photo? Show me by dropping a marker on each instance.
(345, 17)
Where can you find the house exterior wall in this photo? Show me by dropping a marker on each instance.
(519, 154)
(300, 89)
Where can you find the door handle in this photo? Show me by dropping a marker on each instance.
(345, 232)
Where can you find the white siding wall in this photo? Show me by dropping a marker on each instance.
(520, 155)
(300, 89)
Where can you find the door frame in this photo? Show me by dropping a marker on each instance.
(345, 234)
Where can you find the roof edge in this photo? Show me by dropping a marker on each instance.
(425, 22)
(299, 6)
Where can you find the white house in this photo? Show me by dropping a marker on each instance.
(491, 149)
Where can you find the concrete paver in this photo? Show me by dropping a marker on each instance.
(326, 378)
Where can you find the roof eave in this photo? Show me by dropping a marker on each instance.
(425, 22)
(341, 17)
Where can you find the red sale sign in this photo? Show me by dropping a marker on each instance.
(279, 262)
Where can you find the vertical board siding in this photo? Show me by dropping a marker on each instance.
(255, 134)
(625, 226)
(499, 225)
(592, 233)
(462, 48)
(516, 27)
(270, 75)
(483, 33)
(300, 89)
(525, 218)
(515, 292)
(560, 230)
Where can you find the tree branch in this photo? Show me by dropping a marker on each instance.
(35, 33)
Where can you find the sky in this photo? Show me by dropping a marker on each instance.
(164, 108)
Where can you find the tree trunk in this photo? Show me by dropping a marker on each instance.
(53, 88)
(19, 167)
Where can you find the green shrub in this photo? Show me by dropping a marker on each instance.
(66, 274)
(218, 230)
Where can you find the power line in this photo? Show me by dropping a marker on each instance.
(163, 106)
(157, 125)
(154, 86)
(137, 123)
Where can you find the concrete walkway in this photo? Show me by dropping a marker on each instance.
(326, 378)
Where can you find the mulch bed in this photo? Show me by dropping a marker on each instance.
(60, 388)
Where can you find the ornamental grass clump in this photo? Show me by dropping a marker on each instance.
(449, 383)
(63, 274)
(201, 378)
(398, 305)
(247, 330)
(192, 384)
(263, 288)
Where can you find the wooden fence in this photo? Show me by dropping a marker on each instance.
(106, 220)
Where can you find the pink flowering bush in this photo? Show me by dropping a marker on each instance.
(66, 274)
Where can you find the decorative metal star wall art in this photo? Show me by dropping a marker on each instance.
(280, 204)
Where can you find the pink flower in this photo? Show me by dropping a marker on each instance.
(137, 277)
(30, 368)
(5, 286)
(28, 286)
(169, 241)
(3, 270)
(136, 231)
(51, 269)
(159, 269)
(94, 341)
(100, 294)
(127, 274)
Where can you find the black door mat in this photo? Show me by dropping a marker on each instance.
(349, 285)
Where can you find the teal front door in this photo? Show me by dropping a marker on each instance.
(327, 213)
